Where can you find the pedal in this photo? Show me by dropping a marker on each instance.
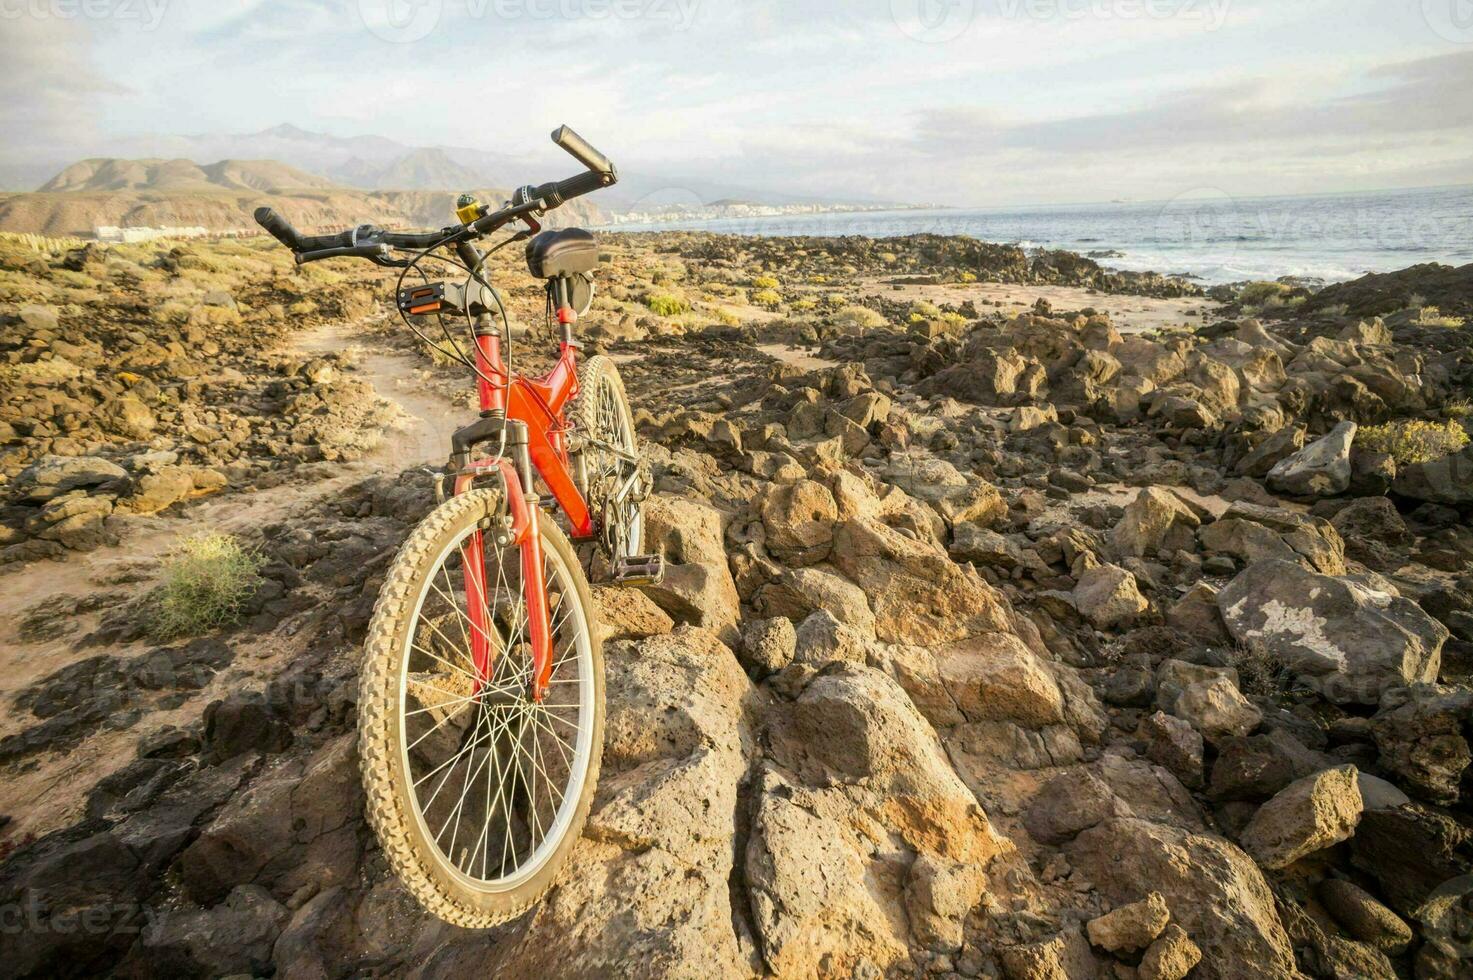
(639, 570)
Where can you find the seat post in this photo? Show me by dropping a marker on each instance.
(562, 302)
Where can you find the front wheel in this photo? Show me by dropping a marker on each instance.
(476, 792)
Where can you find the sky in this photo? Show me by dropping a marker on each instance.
(957, 102)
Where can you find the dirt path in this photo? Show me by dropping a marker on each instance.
(50, 792)
(420, 437)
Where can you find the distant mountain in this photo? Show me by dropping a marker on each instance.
(423, 169)
(178, 176)
(379, 163)
(222, 197)
(372, 162)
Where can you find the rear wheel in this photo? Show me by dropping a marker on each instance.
(615, 482)
(477, 792)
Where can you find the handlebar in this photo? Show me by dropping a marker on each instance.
(581, 151)
(367, 241)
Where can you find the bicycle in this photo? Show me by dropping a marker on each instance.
(481, 693)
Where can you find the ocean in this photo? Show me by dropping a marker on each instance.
(1215, 238)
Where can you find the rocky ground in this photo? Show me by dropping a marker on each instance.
(1015, 642)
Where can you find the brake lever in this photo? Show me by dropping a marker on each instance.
(374, 251)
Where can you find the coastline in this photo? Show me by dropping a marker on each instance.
(1210, 237)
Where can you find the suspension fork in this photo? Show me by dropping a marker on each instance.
(522, 530)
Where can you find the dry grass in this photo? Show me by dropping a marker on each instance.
(1259, 672)
(207, 579)
(1413, 441)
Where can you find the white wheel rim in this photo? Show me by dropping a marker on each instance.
(572, 738)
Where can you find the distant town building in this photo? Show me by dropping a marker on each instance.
(142, 233)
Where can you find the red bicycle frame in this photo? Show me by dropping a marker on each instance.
(538, 404)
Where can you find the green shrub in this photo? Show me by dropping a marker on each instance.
(1431, 316)
(207, 579)
(765, 282)
(1261, 293)
(859, 318)
(1412, 440)
(767, 297)
(665, 304)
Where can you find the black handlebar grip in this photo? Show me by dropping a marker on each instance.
(279, 227)
(584, 183)
(582, 151)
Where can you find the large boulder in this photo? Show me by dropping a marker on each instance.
(1410, 850)
(697, 588)
(1273, 448)
(799, 519)
(1308, 815)
(1156, 520)
(1130, 927)
(1421, 733)
(1213, 890)
(995, 677)
(1107, 597)
(1069, 803)
(1348, 639)
(1448, 480)
(1207, 698)
(955, 496)
(799, 592)
(1252, 533)
(853, 764)
(918, 594)
(297, 824)
(1320, 469)
(648, 883)
(52, 476)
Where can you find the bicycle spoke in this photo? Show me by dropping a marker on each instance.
(463, 616)
(445, 571)
(554, 734)
(435, 656)
(469, 747)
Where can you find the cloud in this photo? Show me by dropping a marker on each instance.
(795, 97)
(51, 97)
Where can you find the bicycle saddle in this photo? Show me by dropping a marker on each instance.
(565, 252)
